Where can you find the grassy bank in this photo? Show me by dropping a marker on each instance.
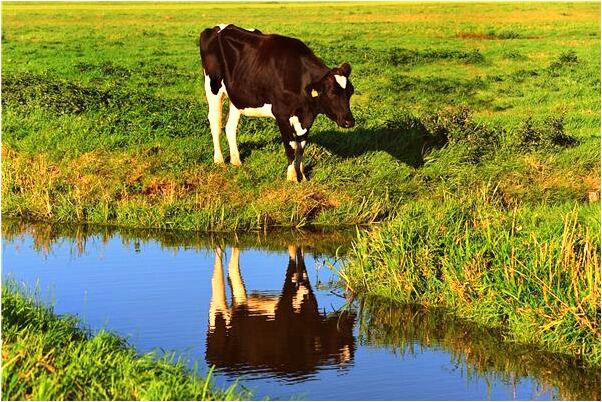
(46, 357)
(110, 126)
(534, 273)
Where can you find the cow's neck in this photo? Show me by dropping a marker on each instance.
(307, 114)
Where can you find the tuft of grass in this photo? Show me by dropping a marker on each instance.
(491, 34)
(565, 59)
(550, 135)
(403, 57)
(47, 357)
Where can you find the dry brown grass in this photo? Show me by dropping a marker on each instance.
(307, 202)
(130, 179)
(544, 178)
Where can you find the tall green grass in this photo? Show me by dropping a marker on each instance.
(363, 177)
(533, 272)
(49, 357)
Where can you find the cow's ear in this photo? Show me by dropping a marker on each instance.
(314, 89)
(346, 68)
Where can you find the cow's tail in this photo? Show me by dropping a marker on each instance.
(225, 68)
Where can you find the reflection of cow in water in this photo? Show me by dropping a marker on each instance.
(286, 334)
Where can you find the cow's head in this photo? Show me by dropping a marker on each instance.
(332, 92)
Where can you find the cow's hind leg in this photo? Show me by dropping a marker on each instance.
(215, 116)
(231, 125)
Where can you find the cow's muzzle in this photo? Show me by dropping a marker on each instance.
(347, 122)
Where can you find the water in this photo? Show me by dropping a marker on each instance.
(265, 309)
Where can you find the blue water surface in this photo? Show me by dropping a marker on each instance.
(159, 297)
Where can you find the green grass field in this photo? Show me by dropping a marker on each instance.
(476, 146)
(104, 116)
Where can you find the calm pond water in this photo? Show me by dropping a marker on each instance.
(266, 309)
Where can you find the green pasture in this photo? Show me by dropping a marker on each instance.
(104, 116)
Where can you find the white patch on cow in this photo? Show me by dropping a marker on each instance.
(293, 144)
(215, 117)
(264, 111)
(222, 26)
(342, 80)
(297, 126)
(231, 125)
(302, 144)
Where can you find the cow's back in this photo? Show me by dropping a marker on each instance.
(257, 68)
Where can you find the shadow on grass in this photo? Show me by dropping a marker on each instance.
(407, 142)
(247, 146)
(404, 137)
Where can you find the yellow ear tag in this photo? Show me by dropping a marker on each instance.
(314, 93)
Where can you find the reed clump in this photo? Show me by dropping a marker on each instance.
(533, 272)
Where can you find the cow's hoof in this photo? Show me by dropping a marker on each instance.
(218, 161)
(236, 162)
(302, 172)
(291, 175)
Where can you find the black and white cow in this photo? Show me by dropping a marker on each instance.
(270, 76)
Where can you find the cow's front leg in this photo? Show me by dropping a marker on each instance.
(291, 169)
(300, 138)
(294, 138)
(296, 168)
(300, 145)
(288, 140)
